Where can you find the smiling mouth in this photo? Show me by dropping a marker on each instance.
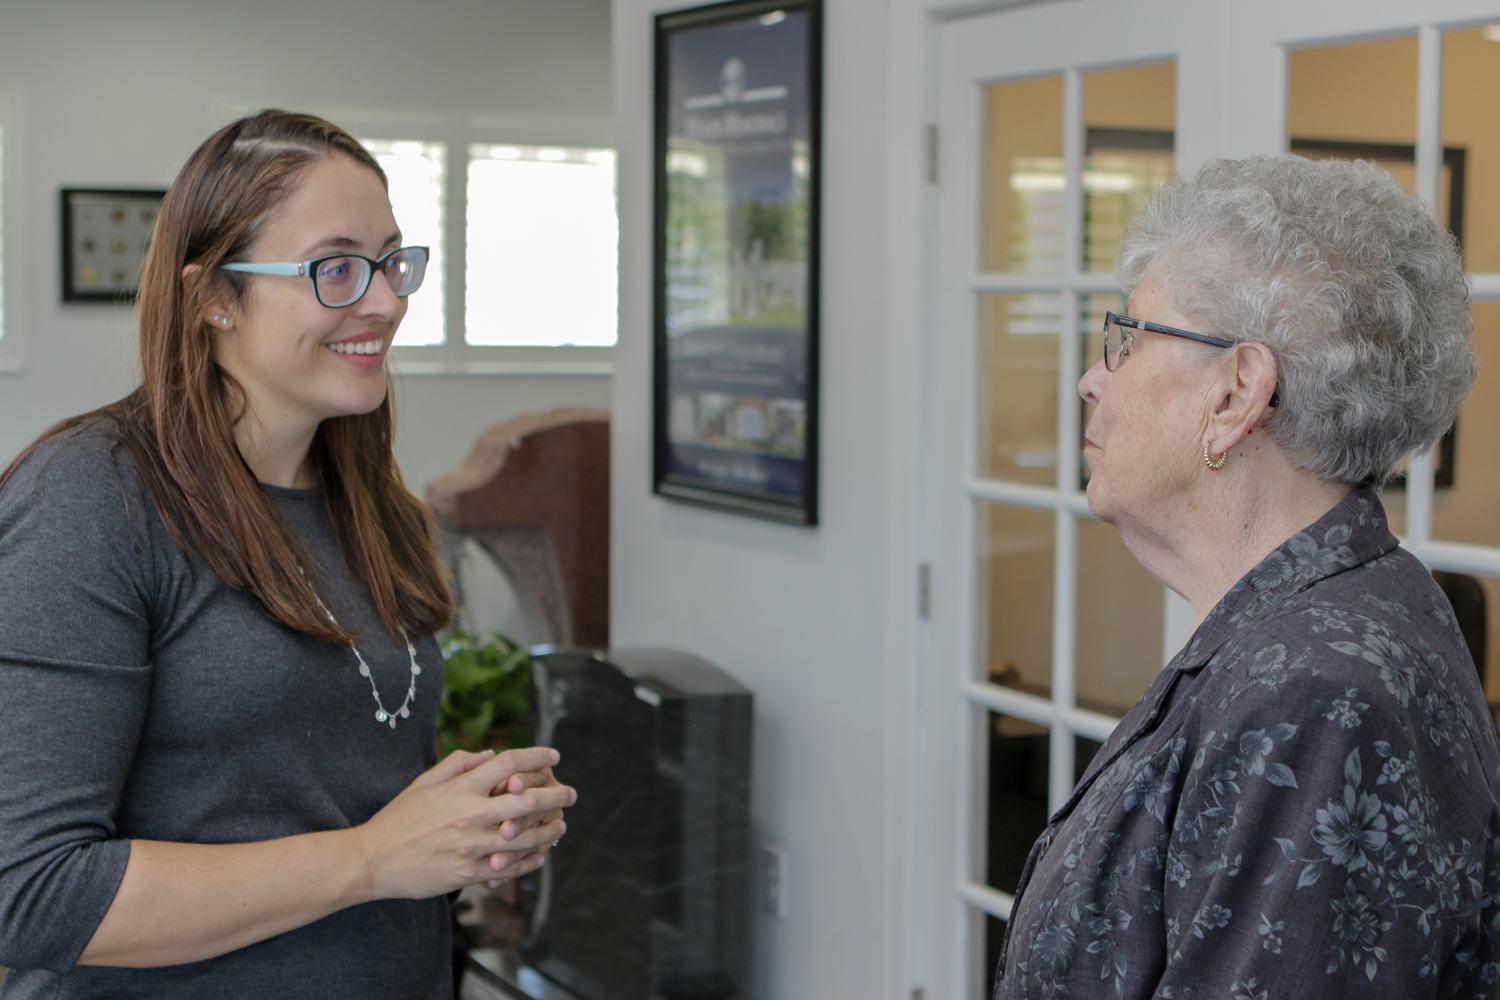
(357, 347)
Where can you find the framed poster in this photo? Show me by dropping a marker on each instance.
(738, 100)
(105, 236)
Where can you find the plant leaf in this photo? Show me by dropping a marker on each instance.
(486, 688)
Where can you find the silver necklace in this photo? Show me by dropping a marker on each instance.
(381, 715)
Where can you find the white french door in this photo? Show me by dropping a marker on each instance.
(1056, 121)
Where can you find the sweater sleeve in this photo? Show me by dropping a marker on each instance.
(75, 575)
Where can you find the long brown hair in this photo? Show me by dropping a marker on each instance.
(178, 426)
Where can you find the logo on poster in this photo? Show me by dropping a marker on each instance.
(732, 81)
(732, 90)
(732, 124)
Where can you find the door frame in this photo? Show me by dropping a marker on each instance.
(1231, 101)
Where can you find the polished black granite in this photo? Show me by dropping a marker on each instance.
(648, 897)
(497, 974)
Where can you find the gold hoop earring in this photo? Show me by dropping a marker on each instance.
(1216, 466)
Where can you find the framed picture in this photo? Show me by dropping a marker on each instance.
(105, 236)
(738, 109)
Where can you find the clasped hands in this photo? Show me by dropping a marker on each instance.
(474, 817)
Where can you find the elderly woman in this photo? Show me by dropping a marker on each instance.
(1304, 802)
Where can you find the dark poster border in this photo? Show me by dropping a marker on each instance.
(805, 510)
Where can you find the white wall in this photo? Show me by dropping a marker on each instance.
(818, 622)
(117, 93)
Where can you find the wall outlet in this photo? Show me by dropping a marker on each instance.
(775, 871)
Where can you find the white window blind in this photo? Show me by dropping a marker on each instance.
(542, 245)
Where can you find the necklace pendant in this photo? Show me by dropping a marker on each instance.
(381, 715)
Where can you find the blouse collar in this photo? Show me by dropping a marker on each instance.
(1353, 533)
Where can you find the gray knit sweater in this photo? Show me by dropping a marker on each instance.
(142, 697)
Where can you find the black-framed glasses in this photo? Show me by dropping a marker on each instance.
(1118, 340)
(342, 279)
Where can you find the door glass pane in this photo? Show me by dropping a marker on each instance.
(1020, 762)
(1018, 387)
(1361, 93)
(1468, 482)
(1475, 600)
(1393, 498)
(1120, 605)
(1017, 574)
(1467, 473)
(1020, 756)
(1471, 142)
(1359, 101)
(1023, 197)
(1016, 815)
(1129, 117)
(1120, 614)
(994, 936)
(1083, 755)
(1091, 324)
(1356, 102)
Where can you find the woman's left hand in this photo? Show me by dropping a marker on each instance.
(507, 863)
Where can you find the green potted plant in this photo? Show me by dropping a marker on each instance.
(484, 695)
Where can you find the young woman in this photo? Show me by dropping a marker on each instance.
(217, 602)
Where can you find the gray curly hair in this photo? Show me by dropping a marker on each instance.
(1358, 293)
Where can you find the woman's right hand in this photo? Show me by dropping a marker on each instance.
(439, 834)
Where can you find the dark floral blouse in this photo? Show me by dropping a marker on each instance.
(1303, 803)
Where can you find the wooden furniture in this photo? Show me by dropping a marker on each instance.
(534, 493)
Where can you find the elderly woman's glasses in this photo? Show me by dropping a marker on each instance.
(1118, 340)
(342, 280)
